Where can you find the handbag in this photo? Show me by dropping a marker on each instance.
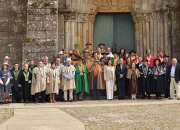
(4, 94)
(115, 87)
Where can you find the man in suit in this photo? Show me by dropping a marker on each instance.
(121, 71)
(173, 75)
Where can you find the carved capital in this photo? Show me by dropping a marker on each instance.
(147, 17)
(140, 18)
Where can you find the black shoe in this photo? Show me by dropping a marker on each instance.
(42, 101)
(80, 99)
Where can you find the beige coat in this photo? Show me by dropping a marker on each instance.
(38, 85)
(109, 73)
(67, 85)
(60, 68)
(53, 86)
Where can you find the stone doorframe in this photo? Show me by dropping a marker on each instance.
(151, 26)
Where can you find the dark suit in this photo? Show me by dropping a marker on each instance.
(121, 81)
(177, 73)
(62, 60)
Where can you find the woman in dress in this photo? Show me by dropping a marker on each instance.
(109, 77)
(54, 81)
(132, 76)
(24, 82)
(5, 86)
(159, 78)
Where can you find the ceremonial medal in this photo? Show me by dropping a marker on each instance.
(145, 77)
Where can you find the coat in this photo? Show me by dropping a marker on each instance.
(89, 73)
(149, 78)
(26, 87)
(53, 86)
(109, 73)
(132, 77)
(113, 61)
(177, 73)
(100, 79)
(79, 87)
(38, 85)
(151, 61)
(68, 85)
(15, 83)
(60, 68)
(159, 80)
(122, 71)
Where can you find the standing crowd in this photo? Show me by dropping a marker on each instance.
(68, 77)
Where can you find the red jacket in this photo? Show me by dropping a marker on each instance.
(150, 60)
(161, 59)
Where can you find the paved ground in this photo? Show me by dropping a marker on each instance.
(93, 115)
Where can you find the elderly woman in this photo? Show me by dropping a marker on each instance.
(5, 82)
(109, 77)
(53, 85)
(25, 81)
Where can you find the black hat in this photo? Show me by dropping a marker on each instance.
(105, 53)
(88, 43)
(165, 55)
(80, 58)
(101, 44)
(160, 50)
(132, 52)
(115, 52)
(156, 60)
(144, 59)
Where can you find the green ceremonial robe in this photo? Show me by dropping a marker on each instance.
(78, 80)
(117, 61)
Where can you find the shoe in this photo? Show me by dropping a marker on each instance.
(80, 99)
(178, 98)
(42, 101)
(70, 100)
(65, 100)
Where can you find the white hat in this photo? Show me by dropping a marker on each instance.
(7, 57)
(68, 59)
(5, 64)
(61, 53)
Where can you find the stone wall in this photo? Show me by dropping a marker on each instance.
(42, 30)
(12, 29)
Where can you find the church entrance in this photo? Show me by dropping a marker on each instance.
(116, 30)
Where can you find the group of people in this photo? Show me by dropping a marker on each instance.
(71, 75)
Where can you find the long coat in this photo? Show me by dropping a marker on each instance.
(38, 85)
(68, 85)
(149, 78)
(53, 86)
(100, 79)
(26, 88)
(79, 87)
(15, 83)
(159, 80)
(60, 68)
(132, 77)
(89, 73)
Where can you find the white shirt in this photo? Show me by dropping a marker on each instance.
(110, 55)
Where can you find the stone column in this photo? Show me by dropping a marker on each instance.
(166, 36)
(141, 38)
(144, 38)
(78, 30)
(72, 35)
(155, 23)
(84, 34)
(151, 35)
(67, 40)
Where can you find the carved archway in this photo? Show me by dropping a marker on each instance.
(116, 6)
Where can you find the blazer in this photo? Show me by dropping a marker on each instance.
(177, 73)
(122, 71)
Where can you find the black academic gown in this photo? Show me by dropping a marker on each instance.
(26, 89)
(15, 83)
(146, 84)
(31, 69)
(159, 80)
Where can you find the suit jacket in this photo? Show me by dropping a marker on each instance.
(122, 71)
(177, 73)
(63, 61)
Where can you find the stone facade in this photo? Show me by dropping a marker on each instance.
(31, 29)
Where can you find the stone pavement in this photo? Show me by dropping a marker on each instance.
(93, 115)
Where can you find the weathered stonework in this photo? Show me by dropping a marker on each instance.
(32, 29)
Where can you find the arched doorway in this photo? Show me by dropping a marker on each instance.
(116, 30)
